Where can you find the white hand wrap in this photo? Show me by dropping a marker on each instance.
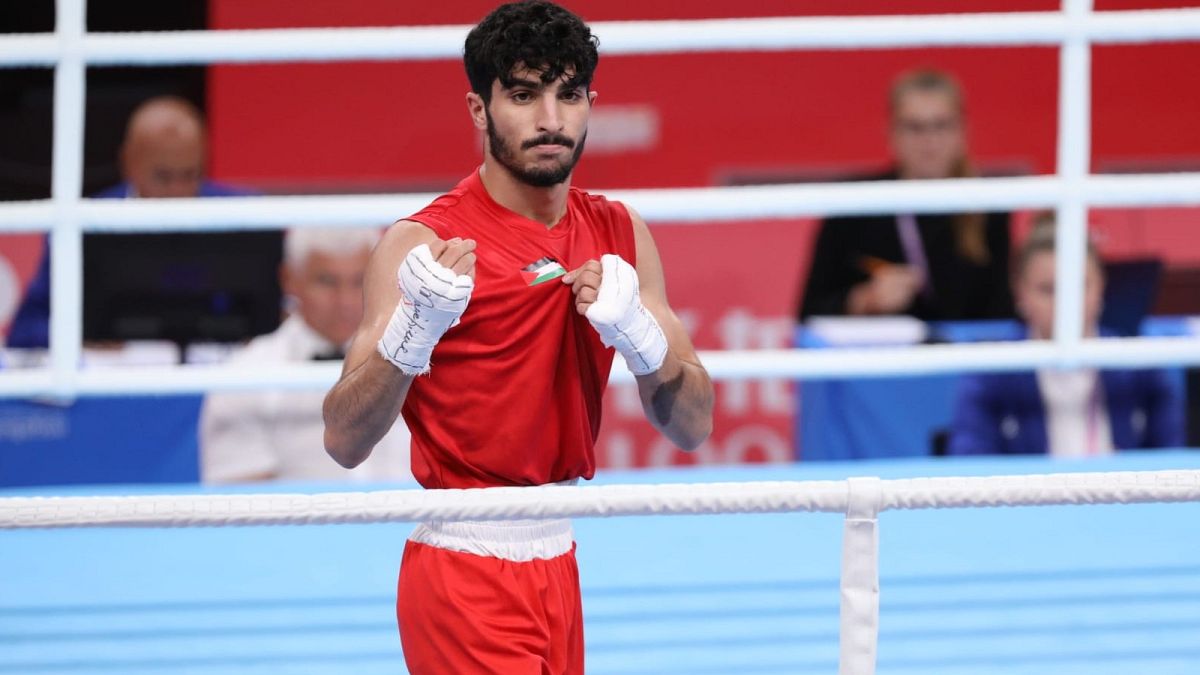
(622, 321)
(434, 298)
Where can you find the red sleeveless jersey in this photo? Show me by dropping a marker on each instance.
(513, 396)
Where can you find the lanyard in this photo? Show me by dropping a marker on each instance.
(914, 251)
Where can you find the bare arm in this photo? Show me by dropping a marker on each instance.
(677, 397)
(366, 401)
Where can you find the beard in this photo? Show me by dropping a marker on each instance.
(535, 176)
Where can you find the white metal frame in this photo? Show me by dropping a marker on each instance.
(1071, 191)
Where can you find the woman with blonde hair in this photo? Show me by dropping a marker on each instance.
(930, 266)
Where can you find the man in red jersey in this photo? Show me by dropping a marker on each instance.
(490, 322)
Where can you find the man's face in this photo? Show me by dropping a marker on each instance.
(1035, 295)
(329, 291)
(167, 167)
(927, 134)
(535, 130)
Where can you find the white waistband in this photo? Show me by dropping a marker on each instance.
(515, 540)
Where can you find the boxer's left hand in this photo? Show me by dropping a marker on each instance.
(607, 293)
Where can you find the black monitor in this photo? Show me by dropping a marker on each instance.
(181, 287)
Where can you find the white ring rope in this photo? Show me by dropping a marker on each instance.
(599, 501)
(1068, 489)
(767, 364)
(678, 205)
(504, 503)
(616, 37)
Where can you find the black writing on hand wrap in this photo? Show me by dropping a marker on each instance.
(415, 319)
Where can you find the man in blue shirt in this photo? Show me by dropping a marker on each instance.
(163, 155)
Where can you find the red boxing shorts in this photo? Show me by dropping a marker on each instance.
(495, 597)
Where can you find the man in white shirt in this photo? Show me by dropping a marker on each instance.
(278, 435)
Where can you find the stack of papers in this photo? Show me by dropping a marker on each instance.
(865, 331)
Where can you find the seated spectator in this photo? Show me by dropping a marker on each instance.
(929, 266)
(280, 435)
(162, 155)
(1064, 413)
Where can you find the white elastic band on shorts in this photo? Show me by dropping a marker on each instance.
(513, 540)
(516, 540)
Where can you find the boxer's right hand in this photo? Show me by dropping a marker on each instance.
(435, 282)
(456, 255)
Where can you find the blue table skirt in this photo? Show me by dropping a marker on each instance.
(140, 439)
(899, 417)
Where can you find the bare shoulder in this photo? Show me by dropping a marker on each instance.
(641, 232)
(401, 237)
(381, 293)
(395, 244)
(653, 286)
(649, 265)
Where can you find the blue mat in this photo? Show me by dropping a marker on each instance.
(1097, 589)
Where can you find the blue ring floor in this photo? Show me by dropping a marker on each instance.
(1087, 589)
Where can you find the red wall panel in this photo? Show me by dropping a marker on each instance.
(719, 115)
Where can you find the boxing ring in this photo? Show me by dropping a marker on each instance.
(1048, 589)
(750, 587)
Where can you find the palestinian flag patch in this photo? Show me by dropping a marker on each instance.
(542, 271)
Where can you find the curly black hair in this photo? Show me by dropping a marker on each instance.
(536, 34)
